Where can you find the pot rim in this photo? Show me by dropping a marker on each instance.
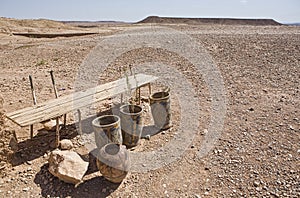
(138, 113)
(161, 98)
(96, 122)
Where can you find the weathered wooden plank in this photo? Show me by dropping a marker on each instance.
(62, 105)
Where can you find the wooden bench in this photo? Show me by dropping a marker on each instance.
(57, 107)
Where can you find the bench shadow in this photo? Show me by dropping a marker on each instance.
(40, 144)
(53, 187)
(44, 141)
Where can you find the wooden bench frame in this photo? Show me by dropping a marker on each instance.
(57, 107)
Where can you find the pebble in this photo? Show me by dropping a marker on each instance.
(29, 162)
(66, 144)
(147, 137)
(104, 190)
(26, 189)
(256, 183)
(205, 131)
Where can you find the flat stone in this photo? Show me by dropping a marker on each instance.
(68, 166)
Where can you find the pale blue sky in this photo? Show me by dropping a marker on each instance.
(135, 10)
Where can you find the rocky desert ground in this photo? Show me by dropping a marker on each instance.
(256, 155)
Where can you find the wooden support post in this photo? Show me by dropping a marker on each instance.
(34, 102)
(56, 95)
(57, 133)
(57, 136)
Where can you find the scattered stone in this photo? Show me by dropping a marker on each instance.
(148, 137)
(67, 166)
(29, 162)
(197, 196)
(205, 131)
(258, 189)
(26, 189)
(292, 128)
(66, 144)
(256, 183)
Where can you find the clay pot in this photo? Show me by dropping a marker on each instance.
(161, 109)
(131, 124)
(113, 162)
(107, 129)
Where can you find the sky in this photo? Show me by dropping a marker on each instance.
(284, 11)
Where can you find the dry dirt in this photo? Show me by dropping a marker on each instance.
(257, 154)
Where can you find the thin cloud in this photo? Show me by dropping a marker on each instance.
(244, 2)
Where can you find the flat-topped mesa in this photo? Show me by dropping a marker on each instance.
(207, 21)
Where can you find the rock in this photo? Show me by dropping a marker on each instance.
(256, 183)
(51, 125)
(25, 189)
(66, 144)
(67, 166)
(13, 142)
(205, 131)
(147, 137)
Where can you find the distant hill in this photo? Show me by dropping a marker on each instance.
(9, 25)
(91, 24)
(203, 21)
(293, 24)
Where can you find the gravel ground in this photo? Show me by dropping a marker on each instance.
(256, 155)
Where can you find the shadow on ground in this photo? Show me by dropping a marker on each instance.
(40, 144)
(53, 187)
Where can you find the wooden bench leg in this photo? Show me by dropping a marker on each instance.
(139, 91)
(65, 120)
(150, 90)
(31, 131)
(79, 122)
(138, 95)
(57, 133)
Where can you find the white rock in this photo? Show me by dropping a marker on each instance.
(51, 125)
(67, 166)
(66, 144)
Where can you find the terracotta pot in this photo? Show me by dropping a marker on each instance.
(107, 129)
(131, 124)
(113, 162)
(161, 109)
